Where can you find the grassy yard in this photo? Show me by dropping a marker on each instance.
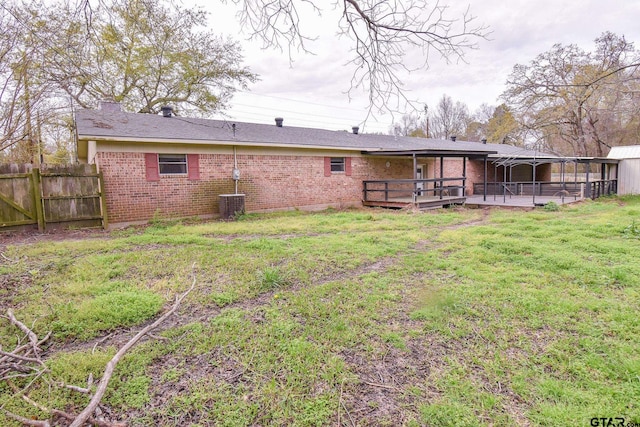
(355, 318)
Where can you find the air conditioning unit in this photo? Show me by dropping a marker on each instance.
(231, 205)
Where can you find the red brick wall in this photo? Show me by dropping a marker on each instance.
(269, 182)
(453, 167)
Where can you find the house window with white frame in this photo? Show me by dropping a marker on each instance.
(337, 164)
(172, 164)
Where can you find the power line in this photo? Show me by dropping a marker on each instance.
(305, 117)
(294, 112)
(236, 114)
(301, 101)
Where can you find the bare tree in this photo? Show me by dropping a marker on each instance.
(24, 91)
(478, 122)
(384, 36)
(576, 101)
(406, 126)
(449, 118)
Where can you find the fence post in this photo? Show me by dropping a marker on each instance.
(37, 198)
(103, 202)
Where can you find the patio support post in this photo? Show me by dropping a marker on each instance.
(562, 171)
(589, 195)
(464, 174)
(534, 182)
(441, 174)
(485, 179)
(603, 169)
(415, 177)
(575, 176)
(511, 179)
(495, 180)
(504, 184)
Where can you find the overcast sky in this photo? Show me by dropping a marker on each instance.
(310, 92)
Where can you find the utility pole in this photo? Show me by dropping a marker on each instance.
(426, 120)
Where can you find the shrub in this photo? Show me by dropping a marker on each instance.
(551, 207)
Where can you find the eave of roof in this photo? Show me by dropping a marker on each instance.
(236, 142)
(429, 153)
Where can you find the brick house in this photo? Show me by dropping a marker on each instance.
(178, 166)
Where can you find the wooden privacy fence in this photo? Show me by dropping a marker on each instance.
(51, 196)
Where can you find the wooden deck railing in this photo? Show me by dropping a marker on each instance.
(385, 190)
(603, 188)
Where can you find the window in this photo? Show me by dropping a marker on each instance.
(172, 164)
(337, 164)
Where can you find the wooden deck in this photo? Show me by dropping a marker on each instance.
(421, 202)
(444, 192)
(518, 201)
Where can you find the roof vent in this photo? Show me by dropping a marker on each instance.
(279, 121)
(484, 140)
(453, 138)
(355, 130)
(167, 111)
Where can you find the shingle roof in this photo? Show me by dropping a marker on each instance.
(100, 124)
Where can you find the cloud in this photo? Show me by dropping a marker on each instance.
(521, 30)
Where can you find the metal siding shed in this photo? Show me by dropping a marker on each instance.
(628, 168)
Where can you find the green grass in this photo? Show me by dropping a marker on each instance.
(369, 317)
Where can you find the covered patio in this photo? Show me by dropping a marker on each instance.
(439, 178)
(521, 180)
(421, 193)
(510, 177)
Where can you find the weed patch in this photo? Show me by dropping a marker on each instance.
(105, 312)
(455, 317)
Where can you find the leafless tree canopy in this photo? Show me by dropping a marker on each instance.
(577, 102)
(386, 36)
(450, 118)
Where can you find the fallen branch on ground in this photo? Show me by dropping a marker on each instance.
(25, 361)
(33, 338)
(108, 372)
(13, 261)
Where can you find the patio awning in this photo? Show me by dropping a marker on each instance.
(544, 159)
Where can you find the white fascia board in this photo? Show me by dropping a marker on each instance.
(227, 143)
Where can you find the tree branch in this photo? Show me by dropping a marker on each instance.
(106, 377)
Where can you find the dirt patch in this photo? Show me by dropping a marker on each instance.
(249, 237)
(31, 237)
(9, 285)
